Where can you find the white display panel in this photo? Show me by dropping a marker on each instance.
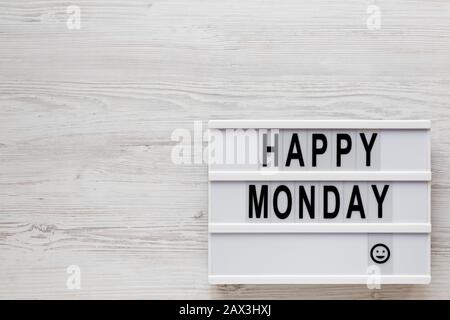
(316, 254)
(404, 202)
(314, 201)
(231, 153)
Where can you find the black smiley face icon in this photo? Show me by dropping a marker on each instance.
(380, 253)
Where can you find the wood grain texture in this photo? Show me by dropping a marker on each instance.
(86, 118)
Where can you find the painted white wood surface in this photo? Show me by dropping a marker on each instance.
(86, 118)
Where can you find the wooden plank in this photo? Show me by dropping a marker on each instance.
(86, 118)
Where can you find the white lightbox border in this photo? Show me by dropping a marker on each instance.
(266, 175)
(320, 124)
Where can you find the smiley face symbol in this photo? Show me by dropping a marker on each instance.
(380, 253)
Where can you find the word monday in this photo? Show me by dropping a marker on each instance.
(319, 146)
(259, 201)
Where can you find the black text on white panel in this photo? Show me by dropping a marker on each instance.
(319, 201)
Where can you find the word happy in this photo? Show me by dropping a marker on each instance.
(319, 146)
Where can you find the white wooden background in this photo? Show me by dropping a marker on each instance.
(86, 118)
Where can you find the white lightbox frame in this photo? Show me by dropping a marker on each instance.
(317, 175)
